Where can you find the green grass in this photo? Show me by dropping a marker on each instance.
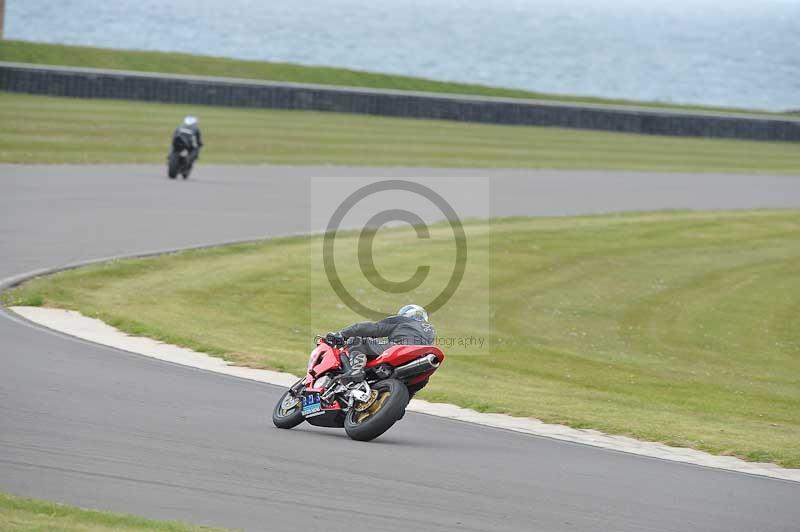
(680, 327)
(176, 63)
(40, 129)
(21, 514)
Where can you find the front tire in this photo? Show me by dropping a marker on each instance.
(388, 407)
(172, 166)
(288, 412)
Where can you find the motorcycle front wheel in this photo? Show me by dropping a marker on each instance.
(288, 413)
(367, 421)
(172, 166)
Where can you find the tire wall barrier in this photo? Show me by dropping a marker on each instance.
(91, 83)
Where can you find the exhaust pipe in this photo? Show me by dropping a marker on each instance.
(416, 367)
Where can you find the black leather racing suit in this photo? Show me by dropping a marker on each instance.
(191, 137)
(374, 337)
(396, 330)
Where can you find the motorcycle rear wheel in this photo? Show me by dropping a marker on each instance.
(387, 407)
(285, 416)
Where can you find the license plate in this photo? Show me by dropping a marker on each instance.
(312, 405)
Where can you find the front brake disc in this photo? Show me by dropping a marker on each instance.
(289, 403)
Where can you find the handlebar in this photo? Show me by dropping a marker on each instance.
(332, 339)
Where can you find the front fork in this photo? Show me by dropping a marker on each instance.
(297, 388)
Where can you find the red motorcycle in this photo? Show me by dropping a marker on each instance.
(365, 409)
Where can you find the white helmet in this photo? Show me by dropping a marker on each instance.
(190, 120)
(414, 312)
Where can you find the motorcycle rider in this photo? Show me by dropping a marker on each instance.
(189, 129)
(369, 339)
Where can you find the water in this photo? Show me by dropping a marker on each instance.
(739, 53)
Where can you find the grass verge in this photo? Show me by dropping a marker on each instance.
(177, 63)
(21, 514)
(680, 327)
(40, 129)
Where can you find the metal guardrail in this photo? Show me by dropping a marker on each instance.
(175, 88)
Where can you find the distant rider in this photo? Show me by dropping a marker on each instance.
(369, 339)
(189, 131)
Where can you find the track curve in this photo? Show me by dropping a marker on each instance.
(97, 427)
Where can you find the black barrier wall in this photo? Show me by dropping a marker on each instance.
(92, 83)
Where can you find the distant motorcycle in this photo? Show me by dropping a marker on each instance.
(181, 156)
(365, 409)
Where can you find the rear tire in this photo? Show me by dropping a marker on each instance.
(284, 417)
(375, 424)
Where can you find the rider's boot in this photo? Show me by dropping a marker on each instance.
(356, 374)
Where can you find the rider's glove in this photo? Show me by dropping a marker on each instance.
(335, 338)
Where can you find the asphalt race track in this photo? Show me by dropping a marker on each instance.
(101, 428)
